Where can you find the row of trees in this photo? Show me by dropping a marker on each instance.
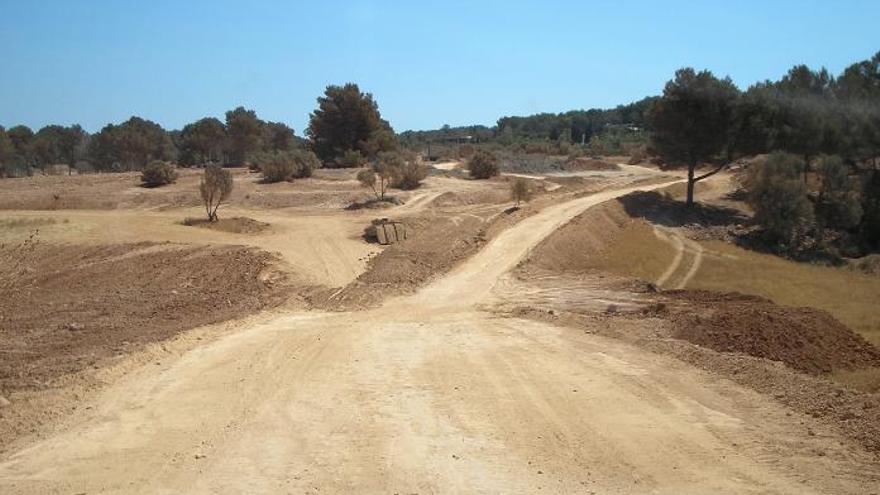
(701, 118)
(346, 121)
(839, 213)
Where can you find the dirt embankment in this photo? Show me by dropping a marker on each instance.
(805, 339)
(436, 242)
(785, 352)
(65, 308)
(571, 247)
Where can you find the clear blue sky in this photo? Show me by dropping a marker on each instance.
(427, 63)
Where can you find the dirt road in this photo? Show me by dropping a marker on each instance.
(429, 395)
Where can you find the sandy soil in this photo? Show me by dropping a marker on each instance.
(428, 394)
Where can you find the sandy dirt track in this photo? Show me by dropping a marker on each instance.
(429, 395)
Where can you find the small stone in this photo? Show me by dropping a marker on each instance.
(4, 402)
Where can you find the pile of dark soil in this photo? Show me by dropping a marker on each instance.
(64, 309)
(805, 339)
(235, 225)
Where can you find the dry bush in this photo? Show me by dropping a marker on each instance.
(279, 166)
(278, 171)
(520, 191)
(637, 155)
(410, 175)
(158, 173)
(350, 159)
(466, 151)
(216, 186)
(483, 165)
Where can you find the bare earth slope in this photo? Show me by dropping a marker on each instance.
(429, 395)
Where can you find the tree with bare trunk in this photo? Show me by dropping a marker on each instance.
(216, 186)
(690, 123)
(380, 174)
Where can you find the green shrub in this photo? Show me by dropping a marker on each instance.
(483, 165)
(350, 159)
(838, 206)
(410, 175)
(307, 162)
(278, 166)
(158, 173)
(278, 170)
(778, 195)
(215, 187)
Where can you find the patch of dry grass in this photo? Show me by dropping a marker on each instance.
(865, 379)
(20, 223)
(637, 252)
(850, 296)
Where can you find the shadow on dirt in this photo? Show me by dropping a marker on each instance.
(663, 210)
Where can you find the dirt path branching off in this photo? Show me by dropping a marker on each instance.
(427, 393)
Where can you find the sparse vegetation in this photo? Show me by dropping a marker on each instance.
(158, 173)
(381, 173)
(779, 197)
(520, 191)
(216, 186)
(409, 173)
(348, 120)
(483, 165)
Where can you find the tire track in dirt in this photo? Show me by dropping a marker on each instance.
(426, 395)
(686, 263)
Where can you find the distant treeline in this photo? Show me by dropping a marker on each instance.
(573, 126)
(346, 122)
(807, 112)
(135, 142)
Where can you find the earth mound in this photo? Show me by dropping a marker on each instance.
(65, 308)
(805, 339)
(584, 164)
(235, 225)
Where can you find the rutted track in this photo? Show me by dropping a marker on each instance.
(429, 395)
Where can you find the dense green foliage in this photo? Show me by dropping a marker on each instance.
(158, 173)
(691, 120)
(203, 141)
(130, 145)
(277, 166)
(245, 133)
(348, 120)
(779, 197)
(837, 204)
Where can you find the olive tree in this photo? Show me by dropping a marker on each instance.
(381, 173)
(216, 186)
